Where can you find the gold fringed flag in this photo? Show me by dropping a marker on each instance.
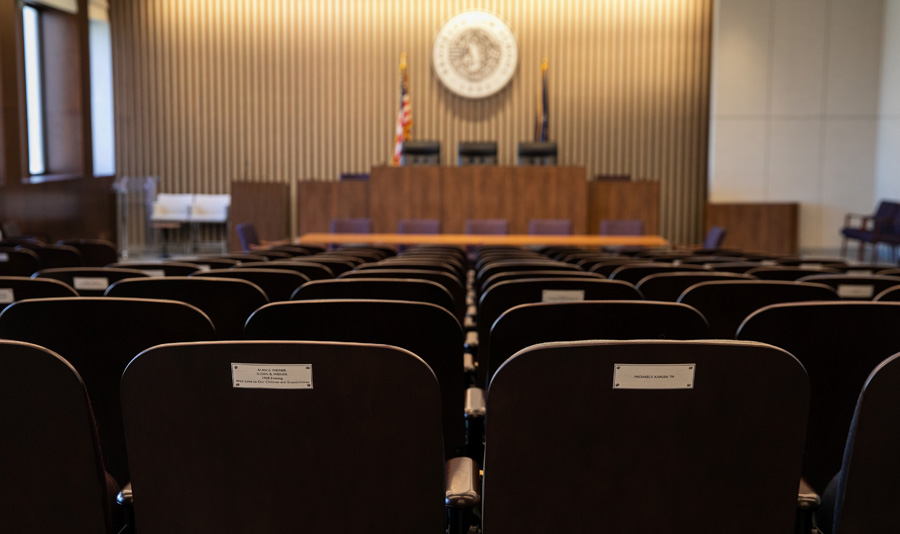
(404, 117)
(542, 119)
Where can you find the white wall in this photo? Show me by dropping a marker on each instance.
(795, 108)
(887, 183)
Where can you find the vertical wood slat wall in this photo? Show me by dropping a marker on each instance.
(208, 92)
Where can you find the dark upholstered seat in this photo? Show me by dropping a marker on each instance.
(277, 284)
(90, 281)
(603, 457)
(99, 336)
(51, 467)
(211, 451)
(839, 344)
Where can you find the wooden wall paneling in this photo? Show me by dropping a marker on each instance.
(549, 193)
(320, 202)
(263, 204)
(475, 192)
(315, 205)
(269, 90)
(412, 192)
(763, 227)
(624, 200)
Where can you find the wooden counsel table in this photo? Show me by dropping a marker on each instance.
(520, 240)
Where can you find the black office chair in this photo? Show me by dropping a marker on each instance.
(839, 344)
(99, 336)
(276, 436)
(537, 153)
(426, 330)
(421, 153)
(51, 467)
(477, 153)
(579, 424)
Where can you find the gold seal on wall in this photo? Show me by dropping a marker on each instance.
(475, 54)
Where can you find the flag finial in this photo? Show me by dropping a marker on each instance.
(544, 63)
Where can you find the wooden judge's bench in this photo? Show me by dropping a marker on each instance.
(454, 194)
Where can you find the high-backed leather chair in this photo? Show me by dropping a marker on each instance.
(421, 153)
(477, 153)
(537, 153)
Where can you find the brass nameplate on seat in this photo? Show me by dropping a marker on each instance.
(859, 272)
(654, 376)
(4, 257)
(93, 283)
(156, 273)
(851, 291)
(271, 376)
(562, 295)
(7, 295)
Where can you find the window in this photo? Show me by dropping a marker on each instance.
(102, 128)
(34, 93)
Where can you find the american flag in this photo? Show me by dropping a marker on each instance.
(404, 117)
(542, 119)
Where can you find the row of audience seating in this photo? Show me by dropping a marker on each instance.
(400, 349)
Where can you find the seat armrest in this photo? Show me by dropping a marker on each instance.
(807, 498)
(125, 497)
(475, 406)
(462, 488)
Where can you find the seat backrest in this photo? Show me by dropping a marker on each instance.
(674, 414)
(787, 274)
(94, 252)
(320, 433)
(726, 304)
(670, 286)
(539, 273)
(621, 227)
(449, 282)
(90, 281)
(351, 226)
(866, 485)
(419, 226)
(635, 272)
(426, 330)
(14, 288)
(854, 287)
(18, 261)
(277, 284)
(246, 233)
(58, 256)
(227, 301)
(312, 270)
(51, 468)
(550, 226)
(378, 288)
(538, 153)
(839, 344)
(477, 153)
(420, 153)
(889, 295)
(714, 237)
(160, 268)
(487, 226)
(530, 324)
(99, 336)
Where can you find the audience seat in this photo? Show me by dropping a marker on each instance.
(212, 450)
(569, 449)
(94, 252)
(51, 467)
(839, 344)
(90, 281)
(409, 289)
(311, 270)
(18, 262)
(277, 284)
(428, 331)
(854, 287)
(160, 268)
(670, 286)
(726, 304)
(99, 336)
(16, 288)
(227, 301)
